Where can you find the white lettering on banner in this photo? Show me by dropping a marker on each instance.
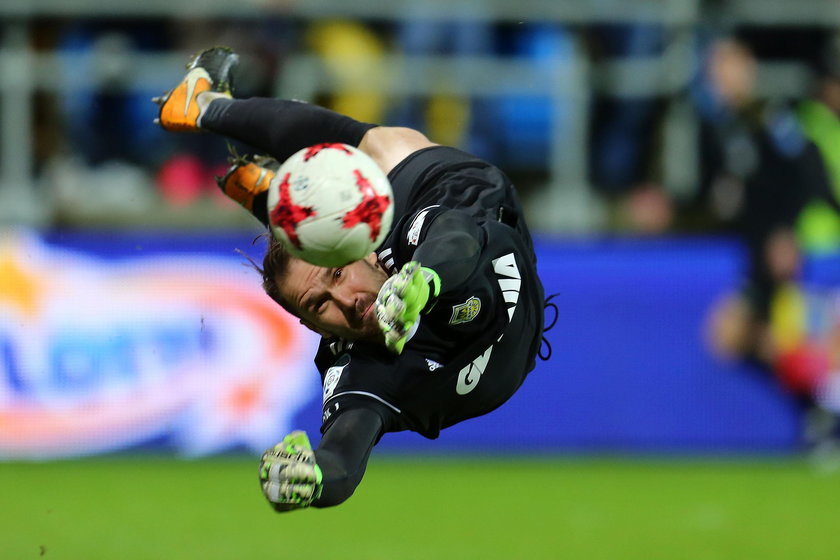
(470, 375)
(109, 354)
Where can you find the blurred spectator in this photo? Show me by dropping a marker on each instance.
(647, 209)
(98, 115)
(97, 167)
(819, 223)
(761, 171)
(626, 115)
(525, 121)
(622, 124)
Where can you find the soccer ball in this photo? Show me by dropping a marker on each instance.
(330, 205)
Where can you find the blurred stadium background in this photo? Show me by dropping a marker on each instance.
(679, 161)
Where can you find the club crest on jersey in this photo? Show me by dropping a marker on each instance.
(465, 312)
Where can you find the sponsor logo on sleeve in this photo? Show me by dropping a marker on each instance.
(332, 378)
(413, 236)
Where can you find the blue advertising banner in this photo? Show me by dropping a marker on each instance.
(112, 341)
(630, 369)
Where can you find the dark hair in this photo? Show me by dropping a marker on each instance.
(275, 267)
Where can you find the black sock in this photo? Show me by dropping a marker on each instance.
(280, 127)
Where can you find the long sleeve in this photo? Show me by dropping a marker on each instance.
(343, 453)
(451, 246)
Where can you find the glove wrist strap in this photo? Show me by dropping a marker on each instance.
(434, 288)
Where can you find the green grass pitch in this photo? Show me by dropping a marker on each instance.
(468, 508)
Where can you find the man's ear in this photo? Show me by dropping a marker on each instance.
(373, 260)
(314, 329)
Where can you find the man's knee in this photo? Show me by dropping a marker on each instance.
(388, 145)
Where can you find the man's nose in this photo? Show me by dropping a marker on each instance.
(345, 300)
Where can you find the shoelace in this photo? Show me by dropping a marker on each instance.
(548, 303)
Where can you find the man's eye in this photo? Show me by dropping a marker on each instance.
(337, 273)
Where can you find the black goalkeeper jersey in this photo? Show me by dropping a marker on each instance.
(473, 349)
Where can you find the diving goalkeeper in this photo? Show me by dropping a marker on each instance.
(440, 324)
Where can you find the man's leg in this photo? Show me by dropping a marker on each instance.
(209, 77)
(203, 101)
(277, 127)
(246, 182)
(280, 127)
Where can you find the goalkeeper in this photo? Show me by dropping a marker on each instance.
(441, 324)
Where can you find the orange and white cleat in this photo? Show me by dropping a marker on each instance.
(208, 73)
(247, 179)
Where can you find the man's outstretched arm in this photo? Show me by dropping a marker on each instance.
(293, 477)
(344, 452)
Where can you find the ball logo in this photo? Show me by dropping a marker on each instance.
(300, 183)
(97, 355)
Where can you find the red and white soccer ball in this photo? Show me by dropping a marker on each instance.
(330, 205)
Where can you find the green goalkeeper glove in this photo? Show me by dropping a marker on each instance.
(402, 298)
(289, 476)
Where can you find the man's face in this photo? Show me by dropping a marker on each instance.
(336, 301)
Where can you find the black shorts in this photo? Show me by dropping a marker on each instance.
(455, 179)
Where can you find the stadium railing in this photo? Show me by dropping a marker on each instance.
(567, 200)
